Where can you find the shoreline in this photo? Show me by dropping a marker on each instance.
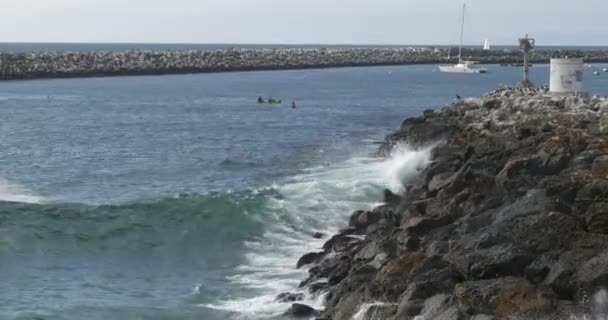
(509, 220)
(58, 65)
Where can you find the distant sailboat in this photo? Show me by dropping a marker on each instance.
(462, 66)
(486, 45)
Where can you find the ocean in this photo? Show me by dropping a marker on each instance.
(178, 197)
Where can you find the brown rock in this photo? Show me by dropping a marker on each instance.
(596, 218)
(599, 169)
(521, 297)
(403, 265)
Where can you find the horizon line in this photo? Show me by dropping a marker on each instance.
(282, 44)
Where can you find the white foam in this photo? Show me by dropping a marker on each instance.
(318, 200)
(360, 315)
(13, 192)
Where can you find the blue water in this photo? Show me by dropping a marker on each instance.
(178, 197)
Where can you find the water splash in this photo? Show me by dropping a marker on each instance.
(404, 163)
(363, 310)
(317, 200)
(13, 192)
(599, 305)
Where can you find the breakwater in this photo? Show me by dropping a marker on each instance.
(508, 221)
(34, 65)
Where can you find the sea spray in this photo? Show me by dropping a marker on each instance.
(404, 163)
(599, 305)
(362, 314)
(317, 200)
(13, 192)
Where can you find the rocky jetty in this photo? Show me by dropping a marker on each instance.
(15, 66)
(509, 221)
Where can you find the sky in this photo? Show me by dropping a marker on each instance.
(551, 22)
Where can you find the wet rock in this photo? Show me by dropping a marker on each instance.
(441, 180)
(521, 298)
(600, 167)
(392, 279)
(419, 226)
(509, 219)
(442, 307)
(381, 311)
(289, 297)
(409, 309)
(318, 235)
(363, 219)
(391, 198)
(483, 317)
(592, 275)
(310, 258)
(426, 283)
(596, 218)
(318, 287)
(301, 311)
(340, 242)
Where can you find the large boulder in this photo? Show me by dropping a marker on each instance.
(298, 311)
(289, 297)
(363, 219)
(504, 297)
(310, 258)
(521, 298)
(441, 307)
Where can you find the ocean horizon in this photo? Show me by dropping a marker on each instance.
(20, 47)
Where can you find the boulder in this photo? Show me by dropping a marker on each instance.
(425, 284)
(441, 180)
(442, 307)
(310, 258)
(391, 198)
(599, 168)
(318, 235)
(341, 241)
(522, 298)
(480, 296)
(380, 311)
(289, 297)
(505, 297)
(483, 317)
(596, 217)
(298, 310)
(392, 279)
(592, 275)
(363, 219)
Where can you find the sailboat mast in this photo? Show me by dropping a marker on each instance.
(464, 6)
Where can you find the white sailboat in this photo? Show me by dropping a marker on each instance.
(462, 66)
(486, 45)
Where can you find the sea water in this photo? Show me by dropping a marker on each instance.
(179, 197)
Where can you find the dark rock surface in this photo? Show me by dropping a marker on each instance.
(298, 311)
(510, 219)
(290, 297)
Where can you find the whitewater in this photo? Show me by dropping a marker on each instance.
(288, 213)
(319, 200)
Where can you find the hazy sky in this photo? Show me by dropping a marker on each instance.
(303, 21)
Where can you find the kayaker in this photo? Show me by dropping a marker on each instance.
(260, 100)
(270, 100)
(293, 104)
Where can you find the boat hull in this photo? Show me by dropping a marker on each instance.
(459, 69)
